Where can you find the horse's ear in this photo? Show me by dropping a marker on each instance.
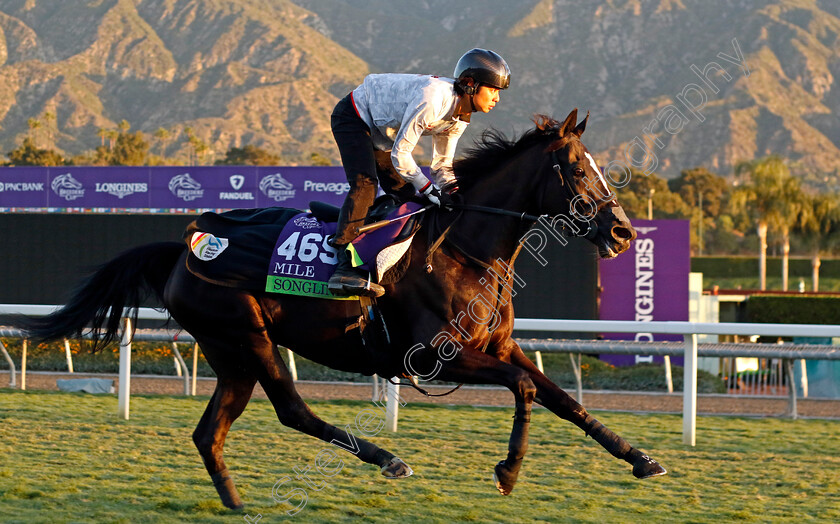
(582, 126)
(569, 124)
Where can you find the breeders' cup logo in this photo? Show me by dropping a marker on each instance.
(307, 222)
(206, 246)
(185, 187)
(67, 187)
(277, 188)
(236, 182)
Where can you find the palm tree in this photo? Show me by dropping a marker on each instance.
(112, 136)
(793, 202)
(772, 199)
(102, 133)
(34, 125)
(162, 135)
(818, 224)
(49, 118)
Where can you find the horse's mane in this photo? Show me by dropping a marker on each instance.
(492, 148)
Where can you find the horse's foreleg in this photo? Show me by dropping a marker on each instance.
(225, 406)
(293, 412)
(563, 405)
(480, 368)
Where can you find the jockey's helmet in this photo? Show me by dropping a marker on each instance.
(484, 67)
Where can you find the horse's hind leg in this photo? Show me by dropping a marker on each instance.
(225, 406)
(293, 412)
(563, 405)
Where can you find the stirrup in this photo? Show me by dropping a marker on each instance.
(352, 285)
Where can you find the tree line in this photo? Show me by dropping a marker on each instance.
(760, 207)
(121, 147)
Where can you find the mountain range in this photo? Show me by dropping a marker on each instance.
(669, 84)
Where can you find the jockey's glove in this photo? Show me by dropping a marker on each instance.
(437, 197)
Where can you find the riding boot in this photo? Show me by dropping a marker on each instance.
(349, 281)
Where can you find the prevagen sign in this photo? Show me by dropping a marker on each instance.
(648, 282)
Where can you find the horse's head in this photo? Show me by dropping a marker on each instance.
(575, 192)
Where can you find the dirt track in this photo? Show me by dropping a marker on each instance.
(478, 396)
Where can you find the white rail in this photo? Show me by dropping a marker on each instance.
(124, 393)
(689, 332)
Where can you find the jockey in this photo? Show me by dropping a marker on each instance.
(389, 112)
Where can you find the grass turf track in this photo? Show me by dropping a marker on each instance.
(67, 458)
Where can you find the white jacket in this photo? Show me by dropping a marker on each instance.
(399, 109)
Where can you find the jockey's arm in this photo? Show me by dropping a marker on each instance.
(443, 151)
(406, 140)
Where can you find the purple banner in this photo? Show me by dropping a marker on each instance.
(101, 187)
(23, 187)
(167, 188)
(647, 282)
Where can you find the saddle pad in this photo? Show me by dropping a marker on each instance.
(279, 250)
(232, 249)
(303, 261)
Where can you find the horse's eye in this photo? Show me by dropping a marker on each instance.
(579, 172)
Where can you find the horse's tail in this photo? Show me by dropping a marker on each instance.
(99, 301)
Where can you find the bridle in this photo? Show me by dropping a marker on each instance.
(589, 230)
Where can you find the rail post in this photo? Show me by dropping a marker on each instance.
(690, 389)
(792, 413)
(804, 380)
(11, 362)
(68, 355)
(392, 405)
(24, 347)
(292, 366)
(182, 365)
(194, 368)
(578, 377)
(124, 395)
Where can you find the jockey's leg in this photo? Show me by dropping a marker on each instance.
(357, 156)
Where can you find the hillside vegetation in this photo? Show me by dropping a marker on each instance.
(268, 73)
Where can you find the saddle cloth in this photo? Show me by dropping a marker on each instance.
(281, 250)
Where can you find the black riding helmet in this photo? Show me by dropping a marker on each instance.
(484, 67)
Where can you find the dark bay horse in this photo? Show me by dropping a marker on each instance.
(450, 317)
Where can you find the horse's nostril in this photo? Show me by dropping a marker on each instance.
(622, 233)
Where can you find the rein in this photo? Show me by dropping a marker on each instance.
(413, 383)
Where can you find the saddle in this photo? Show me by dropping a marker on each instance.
(281, 250)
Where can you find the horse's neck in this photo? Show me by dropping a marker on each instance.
(486, 236)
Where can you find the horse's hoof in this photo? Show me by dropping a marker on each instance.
(227, 490)
(645, 467)
(504, 488)
(396, 469)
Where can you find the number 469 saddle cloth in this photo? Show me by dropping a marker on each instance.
(282, 250)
